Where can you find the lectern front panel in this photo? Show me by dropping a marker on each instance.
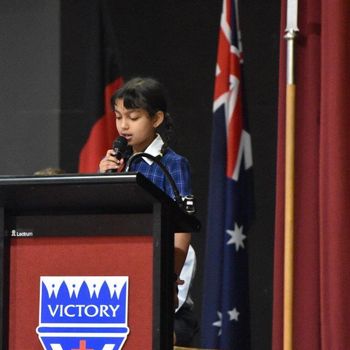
(73, 275)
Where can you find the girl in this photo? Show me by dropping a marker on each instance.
(141, 111)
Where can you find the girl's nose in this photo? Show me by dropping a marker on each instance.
(124, 124)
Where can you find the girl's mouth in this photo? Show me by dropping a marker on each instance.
(128, 137)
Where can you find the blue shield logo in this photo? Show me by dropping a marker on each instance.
(83, 312)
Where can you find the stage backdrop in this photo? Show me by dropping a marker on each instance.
(29, 85)
(43, 48)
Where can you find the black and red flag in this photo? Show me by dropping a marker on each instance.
(90, 75)
(103, 78)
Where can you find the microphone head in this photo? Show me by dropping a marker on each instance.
(119, 146)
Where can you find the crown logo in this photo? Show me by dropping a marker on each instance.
(85, 310)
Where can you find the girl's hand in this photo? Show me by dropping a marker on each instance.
(110, 162)
(178, 282)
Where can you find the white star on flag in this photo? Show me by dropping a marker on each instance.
(237, 236)
(233, 314)
(219, 323)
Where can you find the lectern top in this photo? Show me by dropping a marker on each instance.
(79, 194)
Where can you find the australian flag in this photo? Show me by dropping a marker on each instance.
(225, 311)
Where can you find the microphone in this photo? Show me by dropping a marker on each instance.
(119, 147)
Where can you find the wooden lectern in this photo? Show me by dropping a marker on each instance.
(88, 225)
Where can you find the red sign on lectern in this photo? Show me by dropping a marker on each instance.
(81, 293)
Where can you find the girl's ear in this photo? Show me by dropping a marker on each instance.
(158, 119)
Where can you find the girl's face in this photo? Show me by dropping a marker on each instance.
(136, 125)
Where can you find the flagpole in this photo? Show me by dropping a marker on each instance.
(291, 32)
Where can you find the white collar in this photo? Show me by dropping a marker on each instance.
(154, 149)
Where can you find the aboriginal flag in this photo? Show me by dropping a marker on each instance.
(103, 77)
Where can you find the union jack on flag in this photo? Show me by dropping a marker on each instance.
(225, 314)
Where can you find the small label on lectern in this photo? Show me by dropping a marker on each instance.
(21, 233)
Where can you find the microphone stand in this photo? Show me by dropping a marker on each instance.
(188, 200)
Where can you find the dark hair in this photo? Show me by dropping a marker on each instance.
(147, 94)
